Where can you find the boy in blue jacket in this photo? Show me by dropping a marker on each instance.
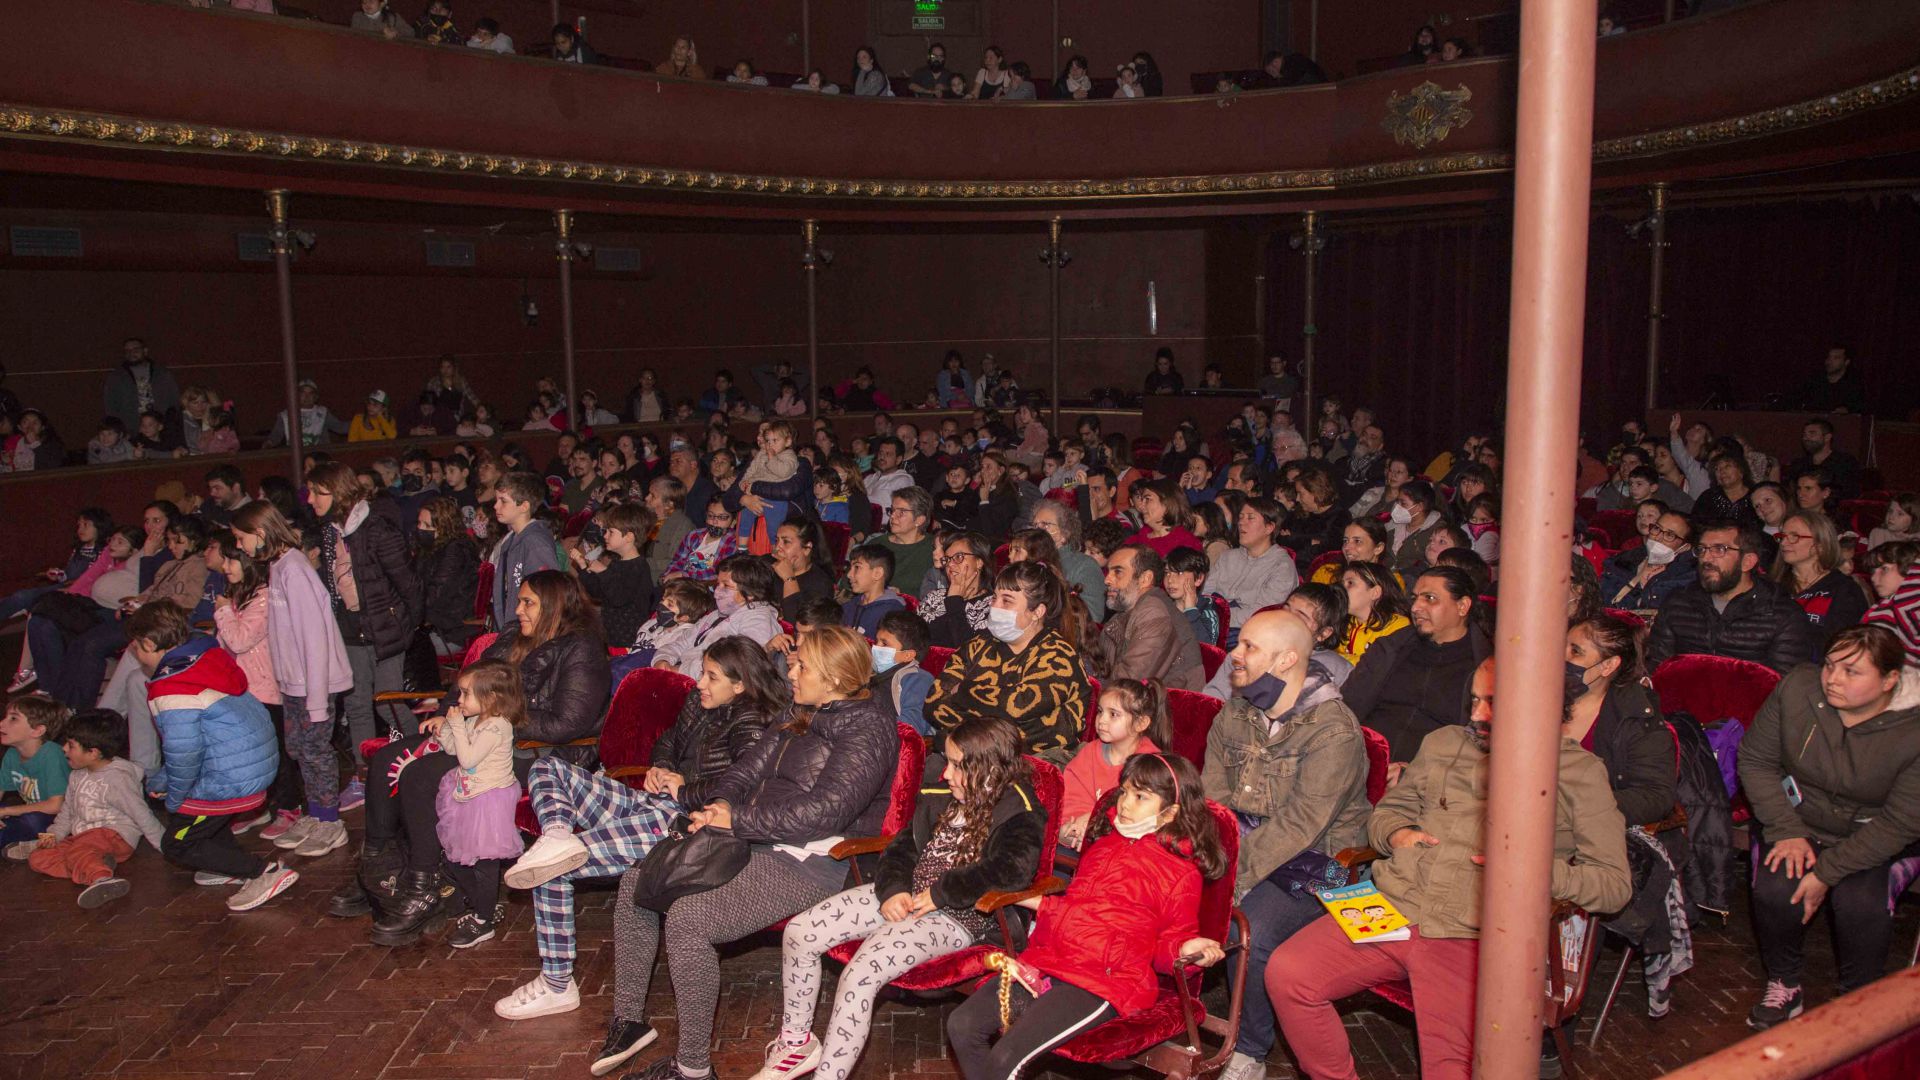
(220, 754)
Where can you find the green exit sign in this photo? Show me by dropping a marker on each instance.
(929, 22)
(927, 7)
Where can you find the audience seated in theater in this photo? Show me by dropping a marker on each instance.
(1734, 612)
(868, 79)
(1831, 766)
(1080, 572)
(34, 445)
(1810, 570)
(1132, 719)
(1429, 828)
(909, 513)
(900, 684)
(1380, 498)
(1145, 635)
(991, 79)
(822, 771)
(1416, 517)
(1025, 669)
(957, 610)
(318, 425)
(869, 575)
(929, 80)
(683, 61)
(1075, 83)
(487, 36)
(1617, 493)
(1642, 578)
(1901, 523)
(1019, 84)
(1366, 461)
(569, 47)
(1408, 684)
(743, 74)
(745, 598)
(1840, 470)
(803, 563)
(1165, 516)
(1837, 389)
(377, 17)
(1376, 607)
(447, 565)
(138, 384)
(436, 26)
(704, 549)
(619, 581)
(595, 827)
(1286, 755)
(1316, 520)
(1662, 480)
(1185, 581)
(528, 546)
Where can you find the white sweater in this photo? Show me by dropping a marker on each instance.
(108, 798)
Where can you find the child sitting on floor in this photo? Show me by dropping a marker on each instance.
(104, 815)
(31, 771)
(476, 801)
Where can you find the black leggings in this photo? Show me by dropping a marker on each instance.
(1856, 910)
(479, 884)
(410, 814)
(1045, 1022)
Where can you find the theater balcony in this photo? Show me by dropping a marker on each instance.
(158, 92)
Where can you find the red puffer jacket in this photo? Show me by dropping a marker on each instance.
(1131, 905)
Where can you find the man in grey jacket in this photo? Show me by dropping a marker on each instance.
(1287, 756)
(1145, 636)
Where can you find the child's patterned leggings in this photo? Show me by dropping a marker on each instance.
(891, 949)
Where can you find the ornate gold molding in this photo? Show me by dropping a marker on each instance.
(1426, 114)
(32, 122)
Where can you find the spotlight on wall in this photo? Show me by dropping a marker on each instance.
(305, 239)
(1047, 256)
(529, 311)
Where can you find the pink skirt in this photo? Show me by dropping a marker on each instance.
(479, 828)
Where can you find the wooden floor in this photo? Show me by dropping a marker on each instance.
(167, 984)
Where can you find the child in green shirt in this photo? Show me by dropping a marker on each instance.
(37, 776)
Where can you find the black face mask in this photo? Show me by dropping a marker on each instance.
(1575, 682)
(1264, 693)
(411, 483)
(936, 62)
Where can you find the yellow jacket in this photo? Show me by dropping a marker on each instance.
(1353, 645)
(365, 430)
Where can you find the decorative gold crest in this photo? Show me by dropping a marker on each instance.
(1424, 115)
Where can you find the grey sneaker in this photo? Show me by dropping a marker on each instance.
(104, 891)
(208, 877)
(295, 835)
(273, 881)
(322, 837)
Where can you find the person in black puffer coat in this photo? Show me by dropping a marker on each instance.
(1613, 714)
(564, 675)
(824, 773)
(1759, 622)
(978, 828)
(376, 597)
(448, 567)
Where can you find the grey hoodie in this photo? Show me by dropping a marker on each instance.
(109, 798)
(519, 556)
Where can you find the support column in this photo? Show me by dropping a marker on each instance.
(1310, 241)
(1552, 189)
(810, 266)
(281, 240)
(563, 250)
(1657, 222)
(1055, 259)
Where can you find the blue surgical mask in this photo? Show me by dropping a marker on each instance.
(884, 659)
(1003, 624)
(1264, 692)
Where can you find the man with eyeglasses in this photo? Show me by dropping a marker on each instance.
(1732, 613)
(908, 513)
(927, 81)
(1643, 577)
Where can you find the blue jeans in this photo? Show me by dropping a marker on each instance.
(24, 827)
(22, 600)
(84, 667)
(1274, 913)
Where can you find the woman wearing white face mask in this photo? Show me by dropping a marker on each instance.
(1643, 577)
(1415, 520)
(1024, 668)
(744, 603)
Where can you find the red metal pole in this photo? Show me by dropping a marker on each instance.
(1552, 186)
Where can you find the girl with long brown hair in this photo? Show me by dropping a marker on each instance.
(977, 828)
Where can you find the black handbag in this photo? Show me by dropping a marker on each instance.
(684, 863)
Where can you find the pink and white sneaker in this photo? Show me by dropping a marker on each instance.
(784, 1061)
(282, 821)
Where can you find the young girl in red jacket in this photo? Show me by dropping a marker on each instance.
(1138, 881)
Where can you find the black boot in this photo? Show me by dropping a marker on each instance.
(375, 882)
(416, 904)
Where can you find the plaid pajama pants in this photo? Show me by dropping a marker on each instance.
(618, 824)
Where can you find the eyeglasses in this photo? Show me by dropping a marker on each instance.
(1719, 551)
(1661, 532)
(900, 510)
(1795, 537)
(957, 556)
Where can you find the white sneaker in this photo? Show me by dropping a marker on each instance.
(208, 877)
(21, 680)
(322, 837)
(553, 854)
(1244, 1067)
(296, 834)
(273, 881)
(20, 849)
(242, 828)
(536, 998)
(785, 1061)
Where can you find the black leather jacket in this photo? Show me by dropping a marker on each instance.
(704, 743)
(1631, 738)
(833, 779)
(1762, 624)
(567, 682)
(449, 576)
(389, 591)
(1008, 858)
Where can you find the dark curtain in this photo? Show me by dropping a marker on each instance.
(1413, 318)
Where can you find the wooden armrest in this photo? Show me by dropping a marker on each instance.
(860, 845)
(395, 697)
(1675, 820)
(1354, 857)
(536, 744)
(994, 901)
(623, 771)
(473, 622)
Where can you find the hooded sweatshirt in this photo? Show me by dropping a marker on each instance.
(218, 741)
(309, 659)
(108, 798)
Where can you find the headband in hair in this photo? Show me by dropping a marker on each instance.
(1174, 775)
